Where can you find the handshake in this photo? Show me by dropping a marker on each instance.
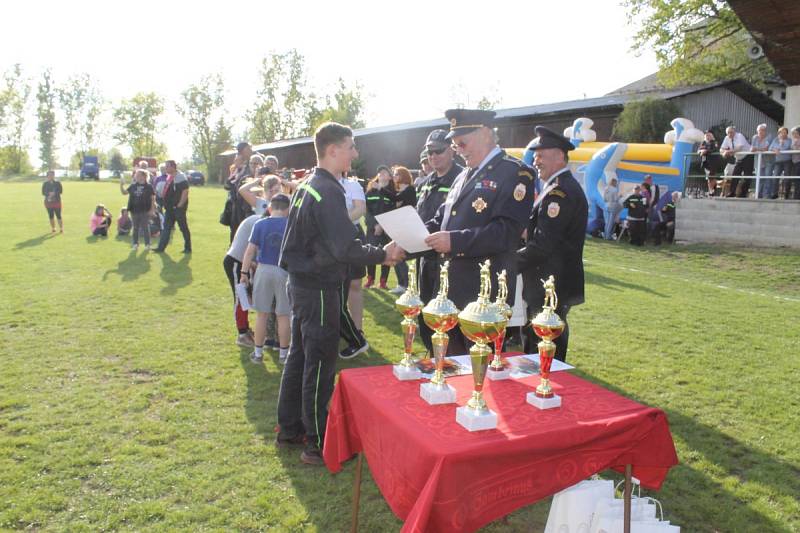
(394, 254)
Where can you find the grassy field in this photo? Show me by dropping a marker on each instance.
(125, 404)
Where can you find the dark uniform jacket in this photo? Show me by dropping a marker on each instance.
(379, 201)
(668, 212)
(320, 239)
(554, 244)
(432, 191)
(487, 216)
(636, 205)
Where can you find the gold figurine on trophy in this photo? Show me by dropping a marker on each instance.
(441, 315)
(497, 369)
(409, 305)
(548, 326)
(481, 322)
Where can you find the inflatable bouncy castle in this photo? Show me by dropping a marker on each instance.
(594, 163)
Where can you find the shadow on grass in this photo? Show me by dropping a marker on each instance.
(176, 274)
(734, 460)
(95, 238)
(36, 241)
(131, 267)
(593, 278)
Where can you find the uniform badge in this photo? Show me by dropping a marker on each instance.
(553, 209)
(453, 122)
(479, 205)
(519, 192)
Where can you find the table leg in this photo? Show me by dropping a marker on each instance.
(627, 498)
(356, 492)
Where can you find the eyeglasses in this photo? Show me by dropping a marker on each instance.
(431, 151)
(460, 144)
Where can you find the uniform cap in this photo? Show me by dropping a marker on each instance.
(463, 121)
(547, 138)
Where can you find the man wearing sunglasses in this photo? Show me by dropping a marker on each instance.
(431, 193)
(484, 213)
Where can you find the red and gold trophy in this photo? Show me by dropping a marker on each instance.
(441, 315)
(409, 305)
(548, 326)
(481, 322)
(497, 368)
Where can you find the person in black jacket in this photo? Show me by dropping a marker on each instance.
(555, 237)
(319, 243)
(406, 195)
(637, 216)
(381, 198)
(668, 217)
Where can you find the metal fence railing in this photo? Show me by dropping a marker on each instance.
(695, 183)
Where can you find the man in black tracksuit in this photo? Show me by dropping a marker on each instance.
(319, 243)
(637, 216)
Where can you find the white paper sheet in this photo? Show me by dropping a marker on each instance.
(243, 297)
(405, 228)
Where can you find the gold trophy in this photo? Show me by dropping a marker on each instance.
(497, 369)
(409, 306)
(441, 315)
(548, 326)
(481, 322)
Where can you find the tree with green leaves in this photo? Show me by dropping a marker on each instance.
(282, 100)
(137, 124)
(345, 107)
(46, 114)
(222, 140)
(203, 110)
(695, 41)
(81, 106)
(14, 98)
(645, 121)
(116, 161)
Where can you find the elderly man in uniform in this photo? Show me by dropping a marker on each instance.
(555, 237)
(431, 193)
(484, 213)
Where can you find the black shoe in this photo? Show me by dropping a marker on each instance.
(289, 442)
(352, 351)
(186, 252)
(158, 250)
(312, 456)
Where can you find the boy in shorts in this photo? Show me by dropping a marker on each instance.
(269, 280)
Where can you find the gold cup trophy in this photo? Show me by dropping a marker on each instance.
(441, 315)
(409, 305)
(497, 368)
(481, 322)
(548, 326)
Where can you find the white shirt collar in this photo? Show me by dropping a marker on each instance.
(488, 158)
(555, 175)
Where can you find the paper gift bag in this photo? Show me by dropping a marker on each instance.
(616, 525)
(572, 508)
(608, 509)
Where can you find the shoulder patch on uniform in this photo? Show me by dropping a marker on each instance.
(525, 173)
(557, 192)
(553, 209)
(519, 192)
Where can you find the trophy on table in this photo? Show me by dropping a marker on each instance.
(481, 322)
(548, 326)
(409, 306)
(497, 368)
(441, 315)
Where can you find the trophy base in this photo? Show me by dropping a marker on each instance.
(497, 375)
(436, 396)
(404, 373)
(543, 403)
(473, 421)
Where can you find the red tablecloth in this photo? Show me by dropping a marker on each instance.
(437, 476)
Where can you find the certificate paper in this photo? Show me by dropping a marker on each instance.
(405, 228)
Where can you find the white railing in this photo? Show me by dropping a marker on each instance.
(759, 164)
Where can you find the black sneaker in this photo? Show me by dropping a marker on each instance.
(312, 456)
(289, 442)
(352, 351)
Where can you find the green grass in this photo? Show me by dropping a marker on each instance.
(125, 405)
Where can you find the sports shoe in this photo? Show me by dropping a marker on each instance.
(257, 359)
(398, 290)
(383, 285)
(147, 247)
(289, 442)
(245, 341)
(134, 247)
(352, 351)
(312, 456)
(271, 344)
(370, 282)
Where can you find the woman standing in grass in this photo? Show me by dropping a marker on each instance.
(52, 191)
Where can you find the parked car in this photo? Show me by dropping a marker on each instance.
(195, 177)
(90, 168)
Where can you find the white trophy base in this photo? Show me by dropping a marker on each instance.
(497, 375)
(543, 403)
(435, 396)
(404, 373)
(472, 421)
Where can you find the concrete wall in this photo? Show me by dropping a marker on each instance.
(739, 220)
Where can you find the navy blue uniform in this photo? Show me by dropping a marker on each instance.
(319, 243)
(554, 246)
(485, 213)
